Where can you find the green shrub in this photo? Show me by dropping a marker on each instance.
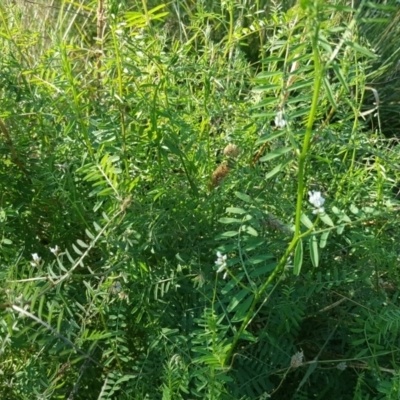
(197, 201)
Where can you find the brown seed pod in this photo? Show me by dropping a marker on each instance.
(231, 150)
(220, 173)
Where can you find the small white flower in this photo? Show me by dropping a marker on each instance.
(279, 120)
(221, 263)
(317, 201)
(55, 250)
(297, 359)
(342, 366)
(36, 260)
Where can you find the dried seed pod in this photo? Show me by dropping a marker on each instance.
(231, 150)
(220, 173)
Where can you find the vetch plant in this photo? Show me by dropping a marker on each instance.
(286, 282)
(291, 148)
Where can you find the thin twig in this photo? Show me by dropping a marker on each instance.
(57, 334)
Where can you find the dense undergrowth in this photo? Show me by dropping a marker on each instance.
(199, 200)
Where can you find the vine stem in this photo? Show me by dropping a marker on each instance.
(319, 70)
(309, 128)
(278, 269)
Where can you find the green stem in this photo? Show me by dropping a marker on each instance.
(279, 268)
(146, 11)
(120, 90)
(231, 30)
(257, 296)
(300, 191)
(307, 138)
(230, 23)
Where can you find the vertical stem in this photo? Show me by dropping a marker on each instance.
(257, 296)
(229, 47)
(100, 33)
(307, 138)
(146, 11)
(300, 189)
(230, 21)
(118, 64)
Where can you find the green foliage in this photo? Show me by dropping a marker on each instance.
(142, 257)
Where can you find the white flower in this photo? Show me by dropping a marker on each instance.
(55, 250)
(297, 359)
(342, 366)
(279, 121)
(36, 260)
(221, 263)
(317, 201)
